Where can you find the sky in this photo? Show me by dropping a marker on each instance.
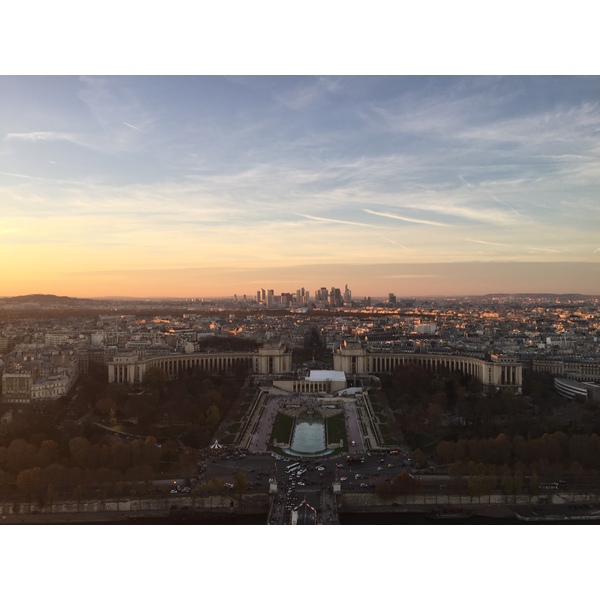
(203, 186)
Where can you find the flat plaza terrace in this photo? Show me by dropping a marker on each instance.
(351, 405)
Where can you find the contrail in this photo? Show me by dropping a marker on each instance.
(395, 243)
(487, 243)
(407, 219)
(133, 127)
(338, 221)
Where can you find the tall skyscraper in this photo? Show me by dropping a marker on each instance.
(335, 297)
(347, 295)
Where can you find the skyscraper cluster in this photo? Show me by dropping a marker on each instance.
(323, 296)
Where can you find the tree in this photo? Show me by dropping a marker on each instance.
(507, 482)
(488, 485)
(151, 453)
(518, 482)
(48, 453)
(501, 451)
(435, 415)
(50, 495)
(404, 483)
(213, 417)
(239, 483)
(141, 476)
(420, 458)
(118, 488)
(28, 481)
(136, 453)
(169, 452)
(476, 486)
(56, 475)
(456, 471)
(534, 484)
(80, 450)
(215, 486)
(20, 455)
(578, 473)
(119, 456)
(78, 493)
(522, 449)
(105, 406)
(156, 380)
(105, 477)
(385, 491)
(445, 452)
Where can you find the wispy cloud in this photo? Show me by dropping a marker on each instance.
(18, 175)
(44, 136)
(338, 221)
(549, 250)
(395, 243)
(488, 243)
(308, 92)
(407, 219)
(133, 127)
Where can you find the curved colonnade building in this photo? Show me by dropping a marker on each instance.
(271, 359)
(500, 372)
(577, 390)
(351, 358)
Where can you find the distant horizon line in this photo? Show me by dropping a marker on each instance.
(252, 296)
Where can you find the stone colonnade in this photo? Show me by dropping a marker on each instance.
(128, 368)
(500, 371)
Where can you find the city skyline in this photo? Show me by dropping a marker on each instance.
(214, 186)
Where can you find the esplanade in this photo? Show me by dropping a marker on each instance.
(499, 372)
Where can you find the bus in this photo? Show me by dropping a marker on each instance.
(292, 467)
(355, 459)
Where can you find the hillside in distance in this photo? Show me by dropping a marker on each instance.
(45, 300)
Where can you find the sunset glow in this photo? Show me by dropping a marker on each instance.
(210, 186)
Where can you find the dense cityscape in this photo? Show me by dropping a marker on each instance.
(118, 409)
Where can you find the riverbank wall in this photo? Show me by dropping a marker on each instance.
(179, 507)
(112, 510)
